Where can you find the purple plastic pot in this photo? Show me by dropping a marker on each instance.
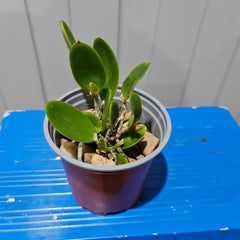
(110, 189)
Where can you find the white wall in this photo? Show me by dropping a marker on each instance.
(194, 48)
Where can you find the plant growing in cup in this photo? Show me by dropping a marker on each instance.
(106, 153)
(108, 134)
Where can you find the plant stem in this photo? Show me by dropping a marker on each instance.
(118, 127)
(121, 117)
(95, 98)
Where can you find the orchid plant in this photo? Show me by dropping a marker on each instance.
(95, 70)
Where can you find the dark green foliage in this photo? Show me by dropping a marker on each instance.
(121, 159)
(70, 122)
(95, 69)
(133, 77)
(113, 113)
(102, 145)
(106, 109)
(136, 109)
(133, 136)
(67, 34)
(110, 63)
(87, 66)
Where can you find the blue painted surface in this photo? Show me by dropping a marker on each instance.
(192, 191)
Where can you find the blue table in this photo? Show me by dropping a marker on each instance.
(192, 191)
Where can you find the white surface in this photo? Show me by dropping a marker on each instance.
(19, 77)
(176, 35)
(216, 43)
(193, 46)
(137, 26)
(51, 48)
(93, 18)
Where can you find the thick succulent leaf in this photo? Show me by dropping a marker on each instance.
(70, 122)
(87, 66)
(67, 34)
(113, 113)
(133, 136)
(131, 120)
(133, 77)
(121, 159)
(102, 145)
(94, 120)
(110, 64)
(103, 93)
(135, 104)
(107, 102)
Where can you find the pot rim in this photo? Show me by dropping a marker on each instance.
(115, 168)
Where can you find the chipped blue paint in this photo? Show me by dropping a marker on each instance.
(192, 191)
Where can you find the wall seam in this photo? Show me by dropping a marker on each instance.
(221, 86)
(35, 52)
(4, 103)
(119, 29)
(193, 53)
(154, 43)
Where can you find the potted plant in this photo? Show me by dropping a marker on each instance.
(106, 150)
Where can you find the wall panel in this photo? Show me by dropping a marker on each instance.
(94, 18)
(175, 38)
(52, 52)
(215, 47)
(19, 80)
(2, 107)
(193, 47)
(229, 93)
(137, 27)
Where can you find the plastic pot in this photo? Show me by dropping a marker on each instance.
(110, 189)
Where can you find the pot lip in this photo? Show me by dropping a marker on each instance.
(115, 168)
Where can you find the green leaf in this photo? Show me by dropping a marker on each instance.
(102, 145)
(121, 159)
(110, 63)
(135, 104)
(133, 77)
(70, 122)
(103, 93)
(133, 136)
(113, 113)
(67, 34)
(107, 102)
(130, 120)
(87, 66)
(94, 120)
